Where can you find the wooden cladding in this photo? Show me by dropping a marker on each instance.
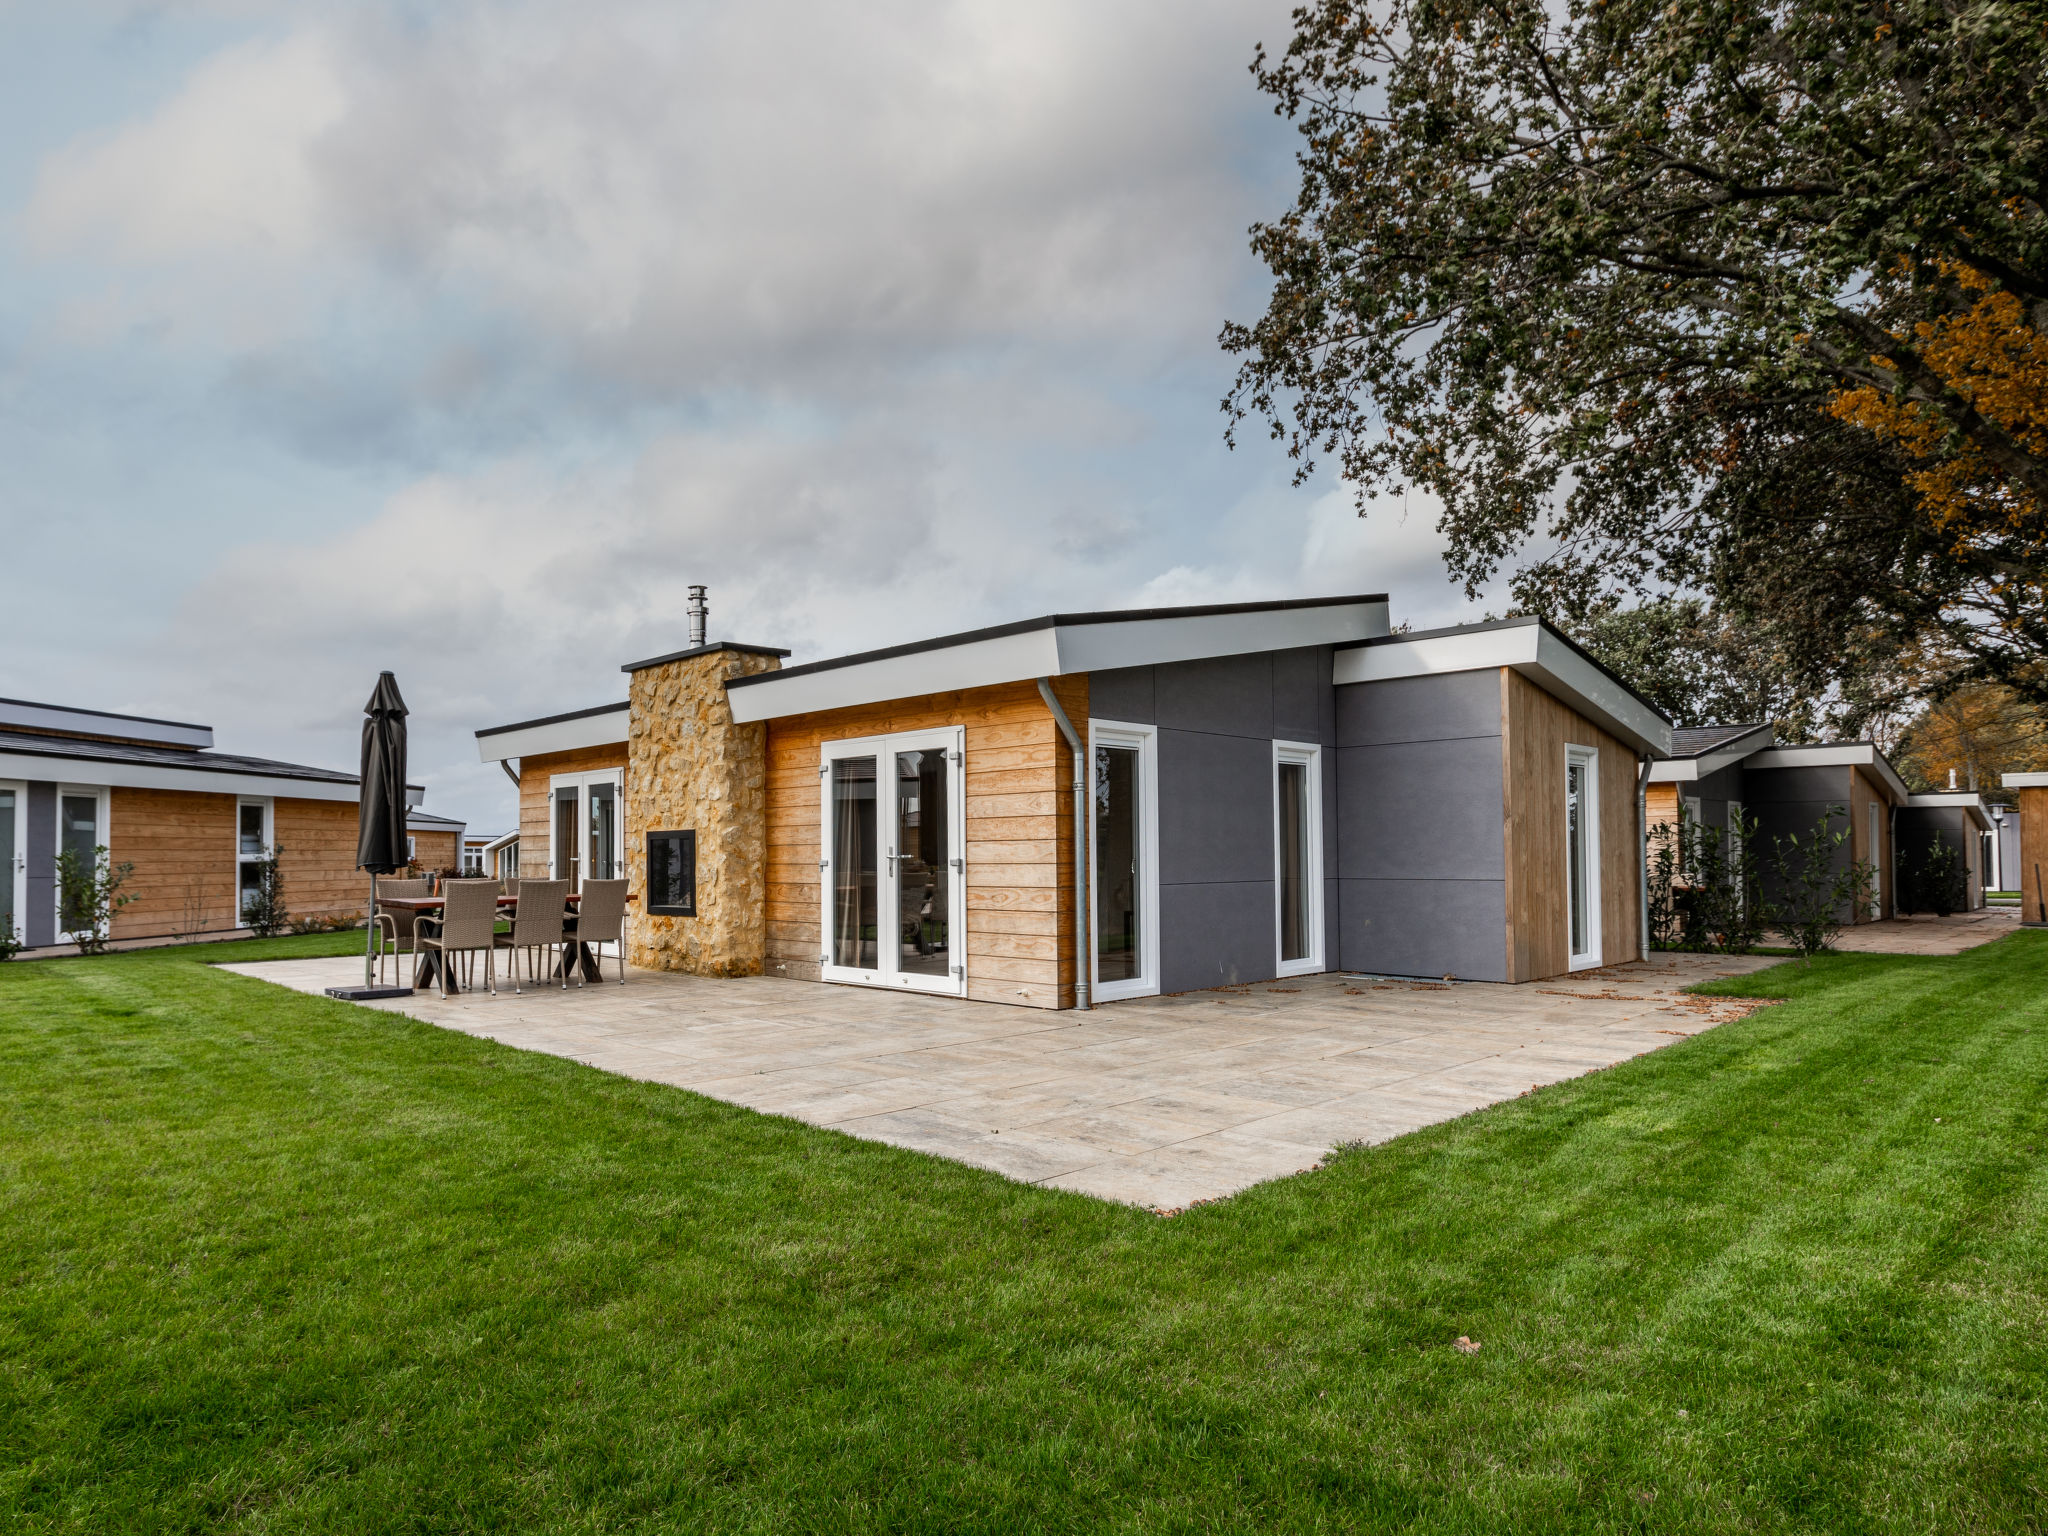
(1535, 730)
(534, 773)
(1019, 843)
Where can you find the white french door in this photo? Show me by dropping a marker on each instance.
(586, 826)
(13, 857)
(891, 871)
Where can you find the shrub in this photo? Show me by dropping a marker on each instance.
(1942, 878)
(88, 898)
(263, 910)
(1704, 889)
(1812, 891)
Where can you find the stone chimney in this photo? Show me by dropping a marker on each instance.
(691, 767)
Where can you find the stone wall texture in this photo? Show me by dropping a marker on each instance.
(691, 767)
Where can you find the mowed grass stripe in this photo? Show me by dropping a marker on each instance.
(272, 1263)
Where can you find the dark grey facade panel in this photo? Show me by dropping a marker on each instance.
(1222, 695)
(39, 922)
(1302, 703)
(1421, 810)
(1215, 808)
(1125, 694)
(1425, 928)
(1770, 786)
(1462, 704)
(1723, 786)
(1215, 934)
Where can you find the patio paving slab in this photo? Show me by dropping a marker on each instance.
(1157, 1102)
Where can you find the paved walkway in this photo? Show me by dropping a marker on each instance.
(1927, 934)
(1159, 1102)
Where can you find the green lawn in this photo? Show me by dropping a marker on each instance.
(273, 1263)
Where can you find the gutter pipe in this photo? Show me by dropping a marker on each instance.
(1066, 726)
(1643, 851)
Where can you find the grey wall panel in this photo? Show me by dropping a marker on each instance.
(1725, 785)
(1301, 685)
(1418, 709)
(1421, 810)
(39, 922)
(1215, 934)
(1767, 786)
(1425, 928)
(1225, 695)
(1215, 808)
(1125, 694)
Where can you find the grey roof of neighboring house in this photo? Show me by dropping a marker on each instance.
(207, 761)
(423, 821)
(1692, 740)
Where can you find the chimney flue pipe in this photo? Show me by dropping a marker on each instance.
(699, 612)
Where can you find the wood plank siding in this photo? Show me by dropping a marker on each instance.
(534, 773)
(1535, 730)
(183, 847)
(436, 852)
(2031, 877)
(1019, 843)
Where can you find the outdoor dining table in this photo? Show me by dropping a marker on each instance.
(427, 962)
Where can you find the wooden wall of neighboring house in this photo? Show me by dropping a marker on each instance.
(319, 864)
(1019, 820)
(1535, 730)
(534, 773)
(2031, 877)
(183, 848)
(1863, 790)
(435, 851)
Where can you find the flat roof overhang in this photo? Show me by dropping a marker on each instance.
(1056, 645)
(602, 726)
(99, 722)
(1967, 801)
(1686, 770)
(1526, 646)
(1847, 754)
(198, 779)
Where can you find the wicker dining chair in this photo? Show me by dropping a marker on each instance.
(469, 922)
(397, 930)
(601, 919)
(538, 924)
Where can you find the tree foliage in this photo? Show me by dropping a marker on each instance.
(1731, 296)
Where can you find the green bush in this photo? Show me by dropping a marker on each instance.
(89, 896)
(1705, 894)
(1813, 892)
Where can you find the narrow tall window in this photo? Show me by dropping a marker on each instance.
(924, 864)
(568, 846)
(1582, 855)
(9, 860)
(1297, 863)
(252, 846)
(78, 834)
(1118, 956)
(604, 833)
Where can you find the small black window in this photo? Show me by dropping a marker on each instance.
(672, 874)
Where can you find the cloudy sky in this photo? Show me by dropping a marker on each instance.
(459, 338)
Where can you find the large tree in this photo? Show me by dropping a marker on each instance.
(1724, 296)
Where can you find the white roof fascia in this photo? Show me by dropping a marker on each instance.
(202, 781)
(1855, 754)
(1953, 800)
(1710, 762)
(88, 722)
(501, 840)
(1056, 651)
(2025, 781)
(1533, 650)
(600, 730)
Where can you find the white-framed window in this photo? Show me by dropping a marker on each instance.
(892, 872)
(1582, 854)
(1298, 857)
(1876, 862)
(1123, 877)
(13, 858)
(412, 848)
(587, 826)
(508, 861)
(81, 832)
(254, 836)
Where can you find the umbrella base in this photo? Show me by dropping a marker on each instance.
(367, 994)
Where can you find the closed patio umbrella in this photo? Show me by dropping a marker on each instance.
(380, 815)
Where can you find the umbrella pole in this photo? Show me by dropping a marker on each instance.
(370, 933)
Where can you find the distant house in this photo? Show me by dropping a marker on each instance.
(197, 824)
(500, 856)
(1718, 770)
(435, 842)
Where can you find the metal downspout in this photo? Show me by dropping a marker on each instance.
(1643, 851)
(1066, 726)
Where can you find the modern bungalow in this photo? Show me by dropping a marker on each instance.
(2026, 872)
(1719, 769)
(1258, 788)
(196, 824)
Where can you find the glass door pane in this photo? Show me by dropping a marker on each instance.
(923, 858)
(1117, 953)
(1575, 852)
(604, 833)
(855, 874)
(1295, 940)
(10, 859)
(78, 829)
(568, 839)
